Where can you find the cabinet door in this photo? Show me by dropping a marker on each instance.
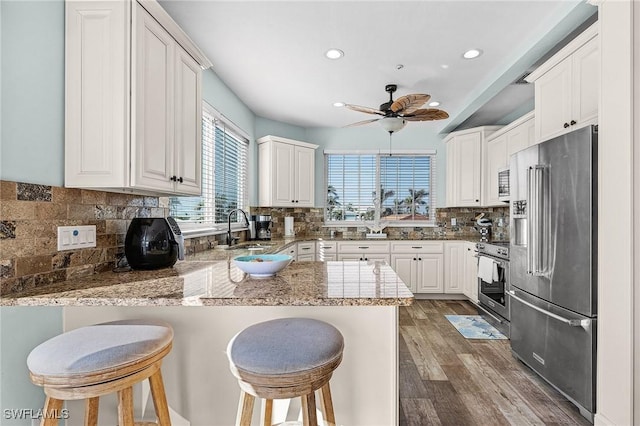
(430, 273)
(586, 78)
(471, 273)
(304, 176)
(553, 101)
(283, 174)
(405, 267)
(454, 272)
(468, 152)
(153, 121)
(518, 138)
(188, 124)
(96, 94)
(496, 159)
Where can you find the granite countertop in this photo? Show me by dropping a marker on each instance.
(220, 283)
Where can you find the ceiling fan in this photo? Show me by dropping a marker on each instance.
(395, 114)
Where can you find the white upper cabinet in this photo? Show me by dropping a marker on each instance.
(567, 87)
(286, 170)
(498, 149)
(464, 166)
(133, 105)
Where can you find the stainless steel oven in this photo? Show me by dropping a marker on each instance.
(493, 287)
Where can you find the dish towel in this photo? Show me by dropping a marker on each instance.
(487, 269)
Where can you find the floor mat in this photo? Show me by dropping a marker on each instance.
(474, 327)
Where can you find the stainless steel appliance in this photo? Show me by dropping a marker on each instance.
(263, 227)
(252, 227)
(492, 289)
(153, 243)
(553, 262)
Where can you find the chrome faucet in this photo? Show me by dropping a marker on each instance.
(230, 238)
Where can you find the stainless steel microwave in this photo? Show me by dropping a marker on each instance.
(503, 185)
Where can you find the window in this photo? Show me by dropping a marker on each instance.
(224, 174)
(401, 184)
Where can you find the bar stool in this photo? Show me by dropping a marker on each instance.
(285, 358)
(96, 360)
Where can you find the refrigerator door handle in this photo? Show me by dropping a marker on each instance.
(584, 323)
(536, 220)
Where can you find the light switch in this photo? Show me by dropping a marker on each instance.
(75, 237)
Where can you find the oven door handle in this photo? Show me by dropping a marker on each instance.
(584, 323)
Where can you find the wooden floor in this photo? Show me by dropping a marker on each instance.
(446, 379)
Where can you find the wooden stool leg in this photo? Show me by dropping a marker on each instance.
(159, 399)
(51, 406)
(267, 412)
(91, 411)
(245, 409)
(125, 407)
(326, 405)
(309, 417)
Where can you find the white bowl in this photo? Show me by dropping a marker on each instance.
(262, 265)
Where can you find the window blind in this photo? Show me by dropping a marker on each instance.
(404, 185)
(224, 174)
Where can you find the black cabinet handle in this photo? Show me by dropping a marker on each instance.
(180, 179)
(566, 125)
(173, 178)
(419, 258)
(573, 122)
(415, 258)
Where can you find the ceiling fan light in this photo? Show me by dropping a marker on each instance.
(392, 124)
(434, 104)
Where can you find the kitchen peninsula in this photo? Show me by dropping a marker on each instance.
(209, 301)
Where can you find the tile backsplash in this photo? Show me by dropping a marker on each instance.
(30, 215)
(309, 223)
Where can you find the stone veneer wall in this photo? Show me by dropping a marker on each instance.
(308, 223)
(30, 215)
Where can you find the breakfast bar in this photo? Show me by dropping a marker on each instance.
(208, 301)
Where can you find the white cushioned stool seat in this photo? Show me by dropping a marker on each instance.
(98, 349)
(286, 358)
(99, 359)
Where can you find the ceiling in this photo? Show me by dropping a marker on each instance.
(271, 53)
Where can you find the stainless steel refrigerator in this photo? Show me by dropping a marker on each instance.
(553, 262)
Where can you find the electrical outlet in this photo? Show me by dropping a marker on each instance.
(454, 221)
(75, 237)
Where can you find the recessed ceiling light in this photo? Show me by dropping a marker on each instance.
(334, 53)
(434, 104)
(444, 66)
(472, 53)
(338, 104)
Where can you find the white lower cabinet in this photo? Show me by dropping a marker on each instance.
(306, 250)
(363, 250)
(326, 251)
(454, 272)
(420, 264)
(470, 288)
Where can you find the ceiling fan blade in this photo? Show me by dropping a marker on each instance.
(360, 123)
(364, 109)
(409, 103)
(428, 114)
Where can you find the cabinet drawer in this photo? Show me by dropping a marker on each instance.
(328, 247)
(363, 247)
(417, 247)
(307, 248)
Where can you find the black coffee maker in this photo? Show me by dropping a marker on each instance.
(263, 227)
(153, 243)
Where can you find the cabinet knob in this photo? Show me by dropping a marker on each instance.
(415, 258)
(173, 178)
(477, 201)
(573, 122)
(180, 179)
(419, 258)
(566, 125)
